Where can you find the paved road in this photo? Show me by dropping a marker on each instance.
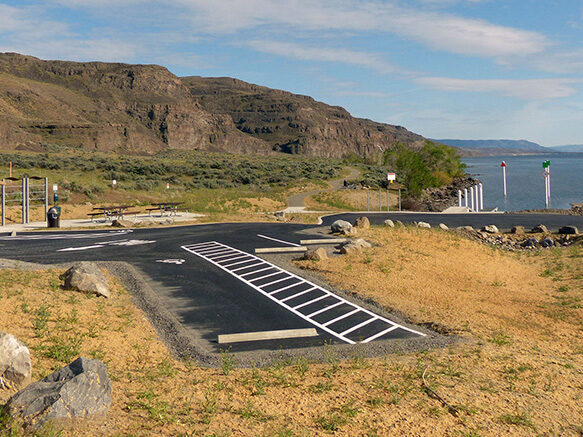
(220, 289)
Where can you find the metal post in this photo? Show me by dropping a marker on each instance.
(3, 204)
(399, 199)
(27, 200)
(481, 196)
(504, 178)
(472, 198)
(46, 197)
(367, 199)
(387, 200)
(459, 198)
(23, 201)
(466, 197)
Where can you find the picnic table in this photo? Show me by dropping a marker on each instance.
(170, 207)
(111, 212)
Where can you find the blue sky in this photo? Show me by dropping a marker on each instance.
(469, 69)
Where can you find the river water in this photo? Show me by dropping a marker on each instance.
(525, 182)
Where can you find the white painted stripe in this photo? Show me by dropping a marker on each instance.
(293, 295)
(323, 310)
(279, 241)
(348, 314)
(275, 282)
(215, 251)
(248, 267)
(305, 304)
(265, 276)
(66, 236)
(360, 325)
(199, 245)
(217, 258)
(291, 286)
(254, 271)
(380, 334)
(233, 258)
(282, 302)
(237, 263)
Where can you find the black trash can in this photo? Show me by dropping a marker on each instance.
(54, 217)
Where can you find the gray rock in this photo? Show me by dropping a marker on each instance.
(399, 223)
(314, 254)
(572, 230)
(547, 242)
(86, 277)
(539, 229)
(80, 389)
(423, 225)
(362, 222)
(517, 230)
(490, 229)
(341, 226)
(465, 228)
(15, 365)
(389, 223)
(443, 227)
(353, 246)
(531, 242)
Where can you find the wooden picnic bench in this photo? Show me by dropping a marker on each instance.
(170, 207)
(109, 212)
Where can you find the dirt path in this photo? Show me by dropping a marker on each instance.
(297, 201)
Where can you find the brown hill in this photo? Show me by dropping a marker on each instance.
(294, 123)
(126, 108)
(145, 109)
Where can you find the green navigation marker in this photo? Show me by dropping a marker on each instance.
(546, 164)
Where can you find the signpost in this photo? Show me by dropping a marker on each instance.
(503, 165)
(391, 177)
(547, 176)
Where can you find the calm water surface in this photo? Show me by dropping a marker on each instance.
(525, 182)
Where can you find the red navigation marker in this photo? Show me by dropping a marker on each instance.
(503, 164)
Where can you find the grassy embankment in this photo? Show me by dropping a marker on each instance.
(519, 371)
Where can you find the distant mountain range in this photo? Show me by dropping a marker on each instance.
(570, 148)
(495, 147)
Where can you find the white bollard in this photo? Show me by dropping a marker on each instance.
(466, 197)
(459, 198)
(472, 198)
(481, 197)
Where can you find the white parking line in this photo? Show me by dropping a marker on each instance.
(206, 251)
(279, 241)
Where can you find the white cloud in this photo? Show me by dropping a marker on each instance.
(437, 30)
(325, 54)
(527, 89)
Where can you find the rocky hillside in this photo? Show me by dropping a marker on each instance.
(294, 123)
(145, 109)
(126, 108)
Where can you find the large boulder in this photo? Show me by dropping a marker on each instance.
(531, 242)
(490, 229)
(15, 365)
(572, 230)
(342, 227)
(315, 254)
(423, 225)
(80, 389)
(354, 246)
(389, 223)
(547, 242)
(517, 230)
(362, 222)
(540, 229)
(121, 223)
(86, 277)
(443, 227)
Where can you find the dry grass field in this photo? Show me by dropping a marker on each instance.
(517, 371)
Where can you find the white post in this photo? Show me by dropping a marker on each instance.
(459, 198)
(549, 182)
(504, 177)
(546, 190)
(472, 198)
(466, 197)
(481, 196)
